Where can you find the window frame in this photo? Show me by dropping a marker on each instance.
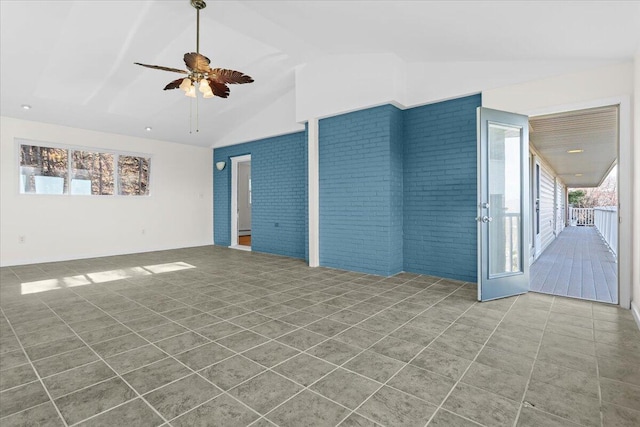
(18, 142)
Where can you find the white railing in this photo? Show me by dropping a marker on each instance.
(581, 217)
(606, 222)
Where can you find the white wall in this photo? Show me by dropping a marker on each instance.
(178, 212)
(277, 118)
(552, 193)
(594, 87)
(538, 96)
(432, 81)
(341, 83)
(337, 84)
(547, 203)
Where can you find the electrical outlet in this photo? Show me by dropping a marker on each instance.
(22, 239)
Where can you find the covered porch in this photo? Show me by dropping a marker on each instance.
(578, 264)
(575, 150)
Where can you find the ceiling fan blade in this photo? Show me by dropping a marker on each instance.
(230, 76)
(174, 84)
(160, 67)
(218, 88)
(196, 62)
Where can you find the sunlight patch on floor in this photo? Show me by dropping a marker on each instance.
(100, 277)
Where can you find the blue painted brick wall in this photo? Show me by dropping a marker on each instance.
(440, 189)
(279, 194)
(396, 219)
(397, 191)
(360, 178)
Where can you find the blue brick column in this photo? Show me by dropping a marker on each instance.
(279, 194)
(440, 189)
(396, 181)
(361, 191)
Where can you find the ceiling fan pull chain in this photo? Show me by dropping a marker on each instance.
(197, 115)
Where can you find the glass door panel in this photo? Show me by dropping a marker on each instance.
(504, 200)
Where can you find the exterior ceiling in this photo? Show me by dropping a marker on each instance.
(72, 61)
(595, 131)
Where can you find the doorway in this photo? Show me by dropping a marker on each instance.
(575, 243)
(241, 202)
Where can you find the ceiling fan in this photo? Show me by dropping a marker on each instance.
(211, 81)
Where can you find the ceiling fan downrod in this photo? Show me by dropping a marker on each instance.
(198, 4)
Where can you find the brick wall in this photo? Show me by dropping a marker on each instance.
(396, 218)
(360, 179)
(279, 194)
(440, 189)
(397, 191)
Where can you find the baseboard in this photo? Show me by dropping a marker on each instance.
(98, 254)
(635, 310)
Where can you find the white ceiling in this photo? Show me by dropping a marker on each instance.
(595, 131)
(73, 60)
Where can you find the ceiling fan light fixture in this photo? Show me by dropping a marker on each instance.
(205, 89)
(185, 85)
(212, 81)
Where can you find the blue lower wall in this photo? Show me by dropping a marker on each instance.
(360, 167)
(440, 189)
(279, 194)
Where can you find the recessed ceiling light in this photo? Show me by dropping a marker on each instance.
(148, 128)
(26, 107)
(578, 174)
(575, 151)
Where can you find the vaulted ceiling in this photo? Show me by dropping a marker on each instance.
(72, 61)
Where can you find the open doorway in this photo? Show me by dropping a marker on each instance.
(574, 243)
(241, 201)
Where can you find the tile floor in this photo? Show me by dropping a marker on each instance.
(212, 336)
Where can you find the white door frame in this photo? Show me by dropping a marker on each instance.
(234, 200)
(625, 218)
(536, 202)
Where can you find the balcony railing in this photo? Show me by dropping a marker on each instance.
(581, 217)
(606, 221)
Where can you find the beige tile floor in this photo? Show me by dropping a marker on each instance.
(212, 336)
